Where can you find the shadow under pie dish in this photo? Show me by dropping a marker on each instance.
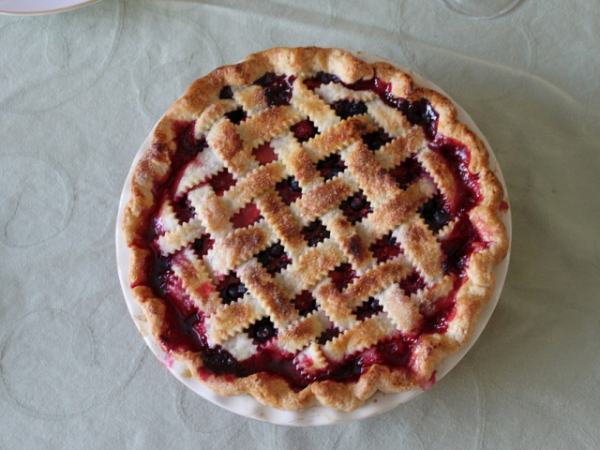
(309, 228)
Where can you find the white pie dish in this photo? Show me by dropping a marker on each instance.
(248, 406)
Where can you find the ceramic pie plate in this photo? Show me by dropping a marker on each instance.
(38, 7)
(246, 405)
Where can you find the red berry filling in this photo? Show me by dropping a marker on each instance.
(385, 248)
(274, 258)
(331, 166)
(304, 130)
(315, 233)
(265, 154)
(289, 190)
(342, 276)
(246, 217)
(407, 172)
(328, 335)
(183, 209)
(221, 182)
(356, 208)
(412, 283)
(305, 303)
(231, 288)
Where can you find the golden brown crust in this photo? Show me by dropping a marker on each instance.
(394, 210)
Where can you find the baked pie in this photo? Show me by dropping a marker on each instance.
(309, 229)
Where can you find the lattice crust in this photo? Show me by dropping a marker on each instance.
(313, 215)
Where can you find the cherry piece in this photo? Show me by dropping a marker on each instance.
(435, 214)
(246, 217)
(264, 154)
(202, 245)
(315, 232)
(407, 172)
(236, 116)
(376, 139)
(278, 89)
(274, 258)
(231, 288)
(342, 276)
(262, 331)
(289, 190)
(356, 207)
(385, 248)
(349, 108)
(304, 130)
(305, 303)
(331, 166)
(368, 309)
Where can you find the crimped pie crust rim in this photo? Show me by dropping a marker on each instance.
(358, 392)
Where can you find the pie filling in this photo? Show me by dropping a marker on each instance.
(184, 326)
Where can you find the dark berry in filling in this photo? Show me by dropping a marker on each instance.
(305, 303)
(226, 93)
(376, 139)
(422, 114)
(231, 288)
(315, 232)
(236, 116)
(264, 154)
(319, 79)
(385, 248)
(289, 190)
(349, 108)
(331, 166)
(368, 309)
(342, 276)
(278, 89)
(248, 215)
(202, 245)
(356, 207)
(435, 213)
(304, 130)
(274, 258)
(407, 172)
(262, 331)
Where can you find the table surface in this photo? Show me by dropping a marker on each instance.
(79, 92)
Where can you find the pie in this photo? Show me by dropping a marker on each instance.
(308, 228)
